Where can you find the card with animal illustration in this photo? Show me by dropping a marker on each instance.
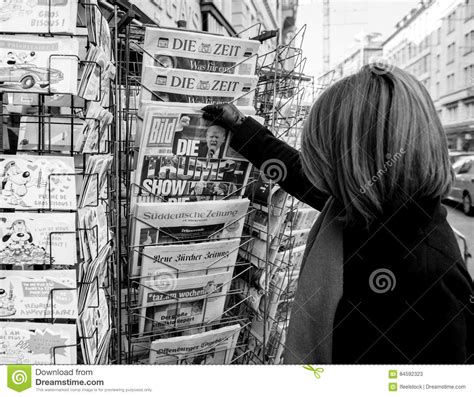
(37, 182)
(29, 239)
(29, 294)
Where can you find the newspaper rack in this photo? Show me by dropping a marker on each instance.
(282, 86)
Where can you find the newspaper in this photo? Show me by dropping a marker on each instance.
(294, 238)
(200, 52)
(183, 157)
(166, 223)
(290, 258)
(302, 218)
(37, 182)
(177, 85)
(211, 347)
(257, 251)
(37, 343)
(47, 16)
(29, 294)
(268, 305)
(188, 259)
(38, 64)
(262, 224)
(30, 239)
(168, 301)
(266, 196)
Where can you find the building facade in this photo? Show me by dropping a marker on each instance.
(369, 49)
(435, 42)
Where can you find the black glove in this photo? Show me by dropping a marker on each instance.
(224, 114)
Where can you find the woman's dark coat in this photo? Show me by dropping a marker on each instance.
(427, 317)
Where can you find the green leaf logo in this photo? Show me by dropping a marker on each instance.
(316, 371)
(19, 377)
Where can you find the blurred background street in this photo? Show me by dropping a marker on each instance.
(465, 225)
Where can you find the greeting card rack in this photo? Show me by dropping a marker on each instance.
(38, 119)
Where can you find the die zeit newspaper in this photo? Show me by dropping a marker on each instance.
(183, 157)
(186, 86)
(211, 347)
(199, 52)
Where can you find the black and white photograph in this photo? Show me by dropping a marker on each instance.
(280, 192)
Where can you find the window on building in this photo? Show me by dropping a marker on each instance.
(427, 83)
(451, 21)
(470, 110)
(450, 82)
(438, 36)
(437, 91)
(469, 42)
(451, 52)
(469, 9)
(424, 64)
(438, 62)
(469, 76)
(452, 112)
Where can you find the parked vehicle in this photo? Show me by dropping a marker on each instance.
(463, 245)
(463, 185)
(28, 75)
(455, 156)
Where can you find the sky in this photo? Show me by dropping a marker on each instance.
(347, 19)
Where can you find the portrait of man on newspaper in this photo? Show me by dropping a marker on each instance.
(195, 136)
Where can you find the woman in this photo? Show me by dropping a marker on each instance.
(382, 280)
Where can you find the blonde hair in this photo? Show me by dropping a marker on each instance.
(374, 140)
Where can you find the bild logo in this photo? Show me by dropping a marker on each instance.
(19, 377)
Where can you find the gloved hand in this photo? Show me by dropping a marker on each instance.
(224, 114)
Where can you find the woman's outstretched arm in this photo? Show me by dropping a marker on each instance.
(264, 150)
(261, 147)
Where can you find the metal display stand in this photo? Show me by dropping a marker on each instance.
(283, 96)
